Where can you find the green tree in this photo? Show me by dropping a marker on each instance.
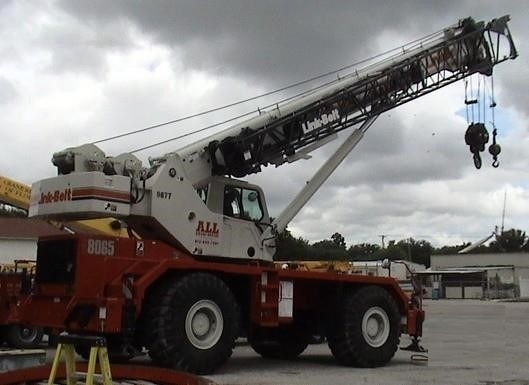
(329, 249)
(418, 251)
(525, 246)
(447, 250)
(338, 240)
(364, 252)
(394, 251)
(290, 248)
(509, 241)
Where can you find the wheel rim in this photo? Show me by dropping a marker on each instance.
(27, 334)
(375, 327)
(204, 324)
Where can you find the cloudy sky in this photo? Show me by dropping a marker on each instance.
(73, 72)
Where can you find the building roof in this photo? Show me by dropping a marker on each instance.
(462, 270)
(442, 261)
(450, 271)
(24, 228)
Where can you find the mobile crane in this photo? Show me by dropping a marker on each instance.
(14, 277)
(201, 269)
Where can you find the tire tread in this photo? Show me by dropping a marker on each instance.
(166, 340)
(344, 332)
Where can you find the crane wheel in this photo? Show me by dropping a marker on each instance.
(364, 330)
(23, 337)
(193, 324)
(285, 343)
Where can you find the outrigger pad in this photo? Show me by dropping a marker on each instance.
(414, 346)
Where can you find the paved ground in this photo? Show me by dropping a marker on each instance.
(469, 342)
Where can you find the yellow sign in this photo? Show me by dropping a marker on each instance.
(14, 193)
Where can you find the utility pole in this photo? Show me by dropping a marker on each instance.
(503, 212)
(382, 236)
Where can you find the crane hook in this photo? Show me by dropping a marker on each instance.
(477, 160)
(476, 137)
(494, 150)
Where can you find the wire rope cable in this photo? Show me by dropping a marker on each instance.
(397, 51)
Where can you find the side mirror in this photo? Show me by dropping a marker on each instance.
(386, 263)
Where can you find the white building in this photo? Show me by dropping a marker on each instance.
(18, 238)
(494, 275)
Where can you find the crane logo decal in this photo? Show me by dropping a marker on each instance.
(56, 196)
(69, 194)
(322, 120)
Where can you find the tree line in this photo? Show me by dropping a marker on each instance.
(408, 249)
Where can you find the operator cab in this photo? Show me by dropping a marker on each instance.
(235, 199)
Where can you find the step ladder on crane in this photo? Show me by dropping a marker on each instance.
(71, 372)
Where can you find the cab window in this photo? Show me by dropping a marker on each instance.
(252, 205)
(232, 202)
(203, 193)
(242, 203)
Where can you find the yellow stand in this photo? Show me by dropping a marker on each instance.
(98, 350)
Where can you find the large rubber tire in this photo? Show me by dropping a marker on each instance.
(285, 343)
(23, 337)
(193, 324)
(365, 329)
